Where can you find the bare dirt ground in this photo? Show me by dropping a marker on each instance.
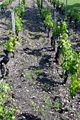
(33, 75)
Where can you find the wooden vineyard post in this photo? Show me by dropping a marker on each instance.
(20, 2)
(54, 40)
(41, 4)
(0, 5)
(13, 21)
(55, 16)
(66, 7)
(66, 2)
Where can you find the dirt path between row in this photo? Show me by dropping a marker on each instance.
(33, 75)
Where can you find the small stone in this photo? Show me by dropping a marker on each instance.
(27, 90)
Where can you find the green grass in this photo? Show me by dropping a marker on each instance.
(70, 2)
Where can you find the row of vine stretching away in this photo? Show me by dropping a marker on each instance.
(8, 113)
(69, 59)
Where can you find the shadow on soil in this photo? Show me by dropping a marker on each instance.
(27, 116)
(32, 20)
(37, 52)
(36, 36)
(43, 80)
(4, 38)
(6, 14)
